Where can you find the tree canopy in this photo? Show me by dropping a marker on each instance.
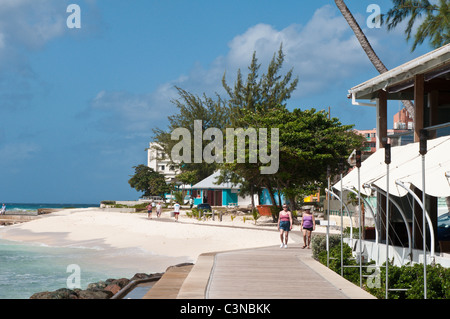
(305, 143)
(146, 180)
(434, 19)
(308, 143)
(266, 91)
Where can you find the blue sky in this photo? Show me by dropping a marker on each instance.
(77, 105)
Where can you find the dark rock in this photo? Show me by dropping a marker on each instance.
(140, 276)
(114, 288)
(97, 290)
(42, 295)
(95, 294)
(62, 293)
(97, 285)
(122, 282)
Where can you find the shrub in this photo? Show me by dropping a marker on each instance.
(319, 244)
(404, 277)
(255, 214)
(411, 278)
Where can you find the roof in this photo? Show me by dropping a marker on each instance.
(432, 61)
(209, 183)
(406, 167)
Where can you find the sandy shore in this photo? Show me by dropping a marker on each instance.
(142, 239)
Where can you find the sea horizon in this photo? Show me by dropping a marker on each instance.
(32, 207)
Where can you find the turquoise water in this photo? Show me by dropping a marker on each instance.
(26, 269)
(32, 207)
(29, 268)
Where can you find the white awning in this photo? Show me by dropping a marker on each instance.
(405, 166)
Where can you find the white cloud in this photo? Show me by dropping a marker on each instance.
(132, 113)
(31, 24)
(323, 53)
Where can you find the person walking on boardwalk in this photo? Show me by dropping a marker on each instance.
(308, 224)
(149, 211)
(284, 225)
(176, 209)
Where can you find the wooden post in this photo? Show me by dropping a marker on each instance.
(419, 105)
(381, 141)
(381, 119)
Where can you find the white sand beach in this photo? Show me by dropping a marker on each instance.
(175, 242)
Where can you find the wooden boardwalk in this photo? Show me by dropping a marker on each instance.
(260, 273)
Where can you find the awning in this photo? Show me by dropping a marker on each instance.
(405, 166)
(433, 63)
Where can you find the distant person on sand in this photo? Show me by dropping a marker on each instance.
(176, 209)
(149, 211)
(284, 225)
(308, 224)
(3, 211)
(158, 209)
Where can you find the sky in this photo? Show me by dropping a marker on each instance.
(78, 105)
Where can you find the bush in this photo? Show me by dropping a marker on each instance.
(404, 277)
(319, 244)
(411, 278)
(108, 202)
(255, 214)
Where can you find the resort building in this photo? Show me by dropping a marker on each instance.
(224, 194)
(399, 178)
(160, 162)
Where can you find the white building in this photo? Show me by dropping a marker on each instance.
(160, 162)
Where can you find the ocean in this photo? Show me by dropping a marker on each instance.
(33, 207)
(29, 268)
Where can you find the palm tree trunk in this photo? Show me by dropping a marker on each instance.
(367, 47)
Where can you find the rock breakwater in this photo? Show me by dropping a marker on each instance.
(98, 290)
(110, 288)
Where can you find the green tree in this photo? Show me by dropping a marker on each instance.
(213, 114)
(435, 25)
(146, 180)
(260, 92)
(308, 142)
(187, 177)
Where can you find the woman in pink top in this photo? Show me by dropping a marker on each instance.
(284, 225)
(308, 224)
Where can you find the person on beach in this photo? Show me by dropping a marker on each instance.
(158, 209)
(3, 211)
(176, 209)
(284, 225)
(308, 224)
(149, 211)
